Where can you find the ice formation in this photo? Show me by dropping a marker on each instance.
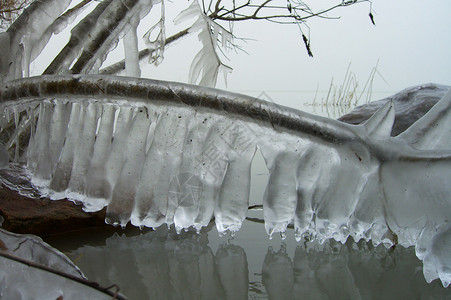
(410, 105)
(156, 152)
(27, 264)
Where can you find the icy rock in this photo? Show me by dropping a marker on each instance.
(32, 248)
(31, 269)
(410, 105)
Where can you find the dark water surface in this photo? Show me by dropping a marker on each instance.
(163, 265)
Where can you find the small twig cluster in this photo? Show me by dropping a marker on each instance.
(292, 12)
(10, 9)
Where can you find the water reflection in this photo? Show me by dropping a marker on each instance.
(163, 265)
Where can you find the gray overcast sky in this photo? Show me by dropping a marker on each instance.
(411, 41)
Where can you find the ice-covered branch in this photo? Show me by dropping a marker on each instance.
(188, 152)
(145, 53)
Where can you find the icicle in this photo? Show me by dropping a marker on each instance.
(4, 55)
(116, 20)
(437, 258)
(58, 130)
(83, 151)
(28, 32)
(280, 197)
(308, 174)
(97, 189)
(198, 209)
(42, 167)
(132, 68)
(153, 203)
(233, 199)
(333, 179)
(346, 170)
(63, 170)
(120, 208)
(4, 157)
(412, 195)
(368, 211)
(206, 64)
(77, 40)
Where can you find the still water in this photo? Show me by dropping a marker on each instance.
(163, 265)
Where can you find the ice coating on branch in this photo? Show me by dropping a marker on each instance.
(131, 50)
(158, 152)
(156, 44)
(206, 64)
(32, 248)
(31, 32)
(98, 33)
(31, 269)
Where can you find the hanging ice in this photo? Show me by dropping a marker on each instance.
(157, 152)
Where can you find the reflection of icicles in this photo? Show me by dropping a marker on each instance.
(277, 274)
(162, 265)
(231, 263)
(157, 265)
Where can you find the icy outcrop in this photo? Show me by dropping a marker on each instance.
(158, 152)
(31, 269)
(32, 248)
(410, 105)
